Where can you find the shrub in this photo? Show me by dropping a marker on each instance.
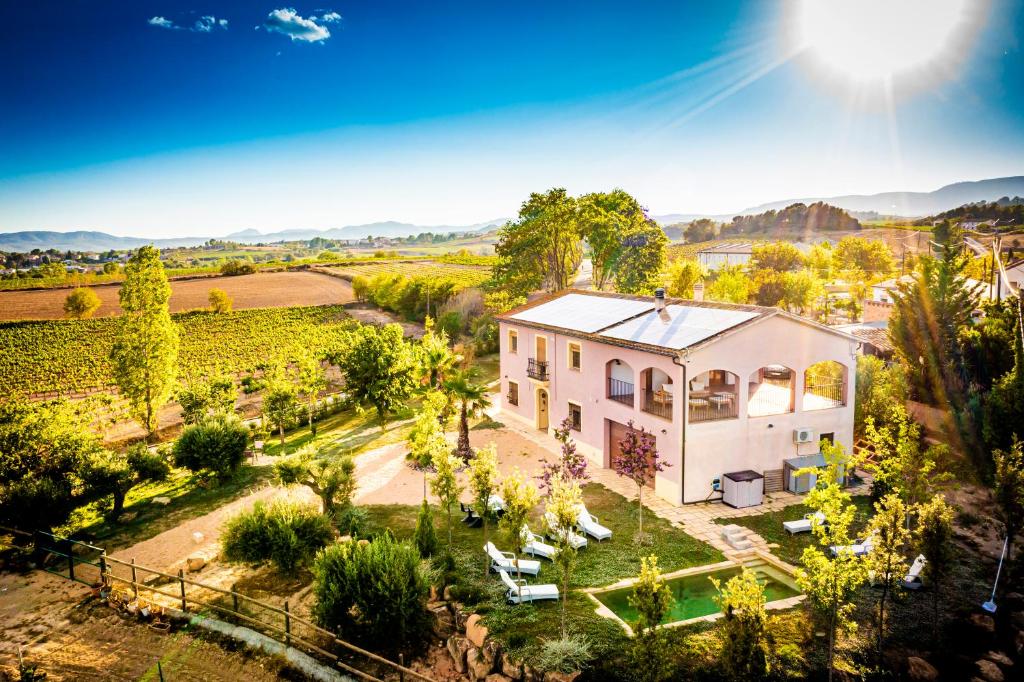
(288, 534)
(237, 267)
(375, 592)
(564, 655)
(360, 287)
(425, 536)
(351, 520)
(220, 302)
(216, 444)
(149, 466)
(81, 303)
(451, 324)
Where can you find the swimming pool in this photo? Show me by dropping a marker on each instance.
(693, 593)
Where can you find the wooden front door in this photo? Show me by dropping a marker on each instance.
(542, 409)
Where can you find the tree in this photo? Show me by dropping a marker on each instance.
(886, 561)
(424, 536)
(1004, 408)
(819, 260)
(571, 465)
(333, 479)
(541, 248)
(879, 387)
(1009, 491)
(934, 539)
(483, 481)
(638, 460)
(900, 464)
(379, 368)
(873, 257)
(473, 401)
(220, 302)
(81, 303)
(279, 399)
(832, 583)
(642, 259)
(777, 256)
(426, 438)
(216, 444)
(437, 361)
(652, 599)
(520, 498)
(730, 285)
(746, 641)
(701, 230)
(801, 291)
(561, 511)
(115, 474)
(682, 274)
(206, 395)
(605, 219)
(445, 485)
(145, 352)
(311, 379)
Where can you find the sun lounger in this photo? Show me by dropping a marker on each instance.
(553, 531)
(913, 580)
(535, 545)
(805, 524)
(859, 548)
(519, 591)
(496, 505)
(507, 561)
(589, 525)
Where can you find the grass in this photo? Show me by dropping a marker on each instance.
(790, 547)
(522, 628)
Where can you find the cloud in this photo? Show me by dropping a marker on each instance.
(330, 17)
(204, 24)
(288, 22)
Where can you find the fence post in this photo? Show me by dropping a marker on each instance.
(401, 673)
(135, 580)
(234, 600)
(71, 562)
(103, 568)
(181, 581)
(287, 625)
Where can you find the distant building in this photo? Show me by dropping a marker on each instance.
(715, 257)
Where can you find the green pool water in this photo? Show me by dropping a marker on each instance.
(694, 594)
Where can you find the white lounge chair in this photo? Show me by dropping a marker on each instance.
(589, 525)
(496, 504)
(805, 524)
(858, 548)
(535, 545)
(553, 531)
(913, 580)
(520, 592)
(507, 561)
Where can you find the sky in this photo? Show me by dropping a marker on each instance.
(199, 117)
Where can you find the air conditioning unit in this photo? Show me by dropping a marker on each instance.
(803, 435)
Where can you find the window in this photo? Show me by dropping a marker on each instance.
(513, 393)
(575, 417)
(830, 437)
(513, 341)
(575, 354)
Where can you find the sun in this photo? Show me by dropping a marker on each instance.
(866, 42)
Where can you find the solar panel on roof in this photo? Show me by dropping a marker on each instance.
(583, 313)
(684, 326)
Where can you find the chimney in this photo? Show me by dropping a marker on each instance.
(698, 291)
(659, 299)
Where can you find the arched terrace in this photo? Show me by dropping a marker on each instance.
(657, 392)
(772, 391)
(619, 380)
(714, 395)
(825, 385)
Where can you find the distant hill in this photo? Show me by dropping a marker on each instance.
(83, 240)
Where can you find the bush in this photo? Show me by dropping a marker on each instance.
(350, 520)
(451, 324)
(374, 592)
(425, 537)
(81, 303)
(216, 444)
(237, 267)
(149, 466)
(564, 655)
(220, 302)
(288, 534)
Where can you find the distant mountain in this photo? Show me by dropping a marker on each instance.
(83, 240)
(913, 204)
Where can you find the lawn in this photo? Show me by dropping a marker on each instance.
(521, 628)
(790, 547)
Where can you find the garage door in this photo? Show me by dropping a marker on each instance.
(616, 433)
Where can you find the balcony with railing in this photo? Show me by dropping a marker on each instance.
(537, 369)
(620, 391)
(713, 405)
(824, 396)
(657, 402)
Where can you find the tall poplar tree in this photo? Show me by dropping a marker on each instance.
(145, 353)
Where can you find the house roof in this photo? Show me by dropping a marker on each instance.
(745, 247)
(875, 333)
(633, 322)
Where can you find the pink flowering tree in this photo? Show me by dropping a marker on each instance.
(638, 461)
(571, 465)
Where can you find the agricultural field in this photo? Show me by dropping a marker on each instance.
(464, 274)
(262, 290)
(71, 356)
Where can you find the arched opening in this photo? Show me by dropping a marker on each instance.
(825, 385)
(714, 395)
(619, 381)
(772, 391)
(657, 392)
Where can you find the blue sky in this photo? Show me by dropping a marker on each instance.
(161, 118)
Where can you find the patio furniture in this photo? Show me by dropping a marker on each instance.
(698, 384)
(913, 580)
(662, 396)
(805, 524)
(718, 400)
(520, 592)
(535, 545)
(859, 548)
(698, 402)
(589, 525)
(575, 541)
(470, 519)
(507, 561)
(496, 504)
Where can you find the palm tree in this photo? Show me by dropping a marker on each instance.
(437, 359)
(472, 397)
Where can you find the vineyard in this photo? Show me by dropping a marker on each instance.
(465, 275)
(71, 356)
(690, 250)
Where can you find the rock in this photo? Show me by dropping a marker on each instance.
(475, 630)
(444, 624)
(345, 538)
(498, 677)
(433, 593)
(164, 501)
(510, 668)
(999, 658)
(447, 594)
(983, 622)
(196, 562)
(989, 671)
(127, 517)
(457, 648)
(492, 653)
(561, 677)
(1019, 642)
(532, 675)
(477, 667)
(198, 537)
(920, 670)
(363, 542)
